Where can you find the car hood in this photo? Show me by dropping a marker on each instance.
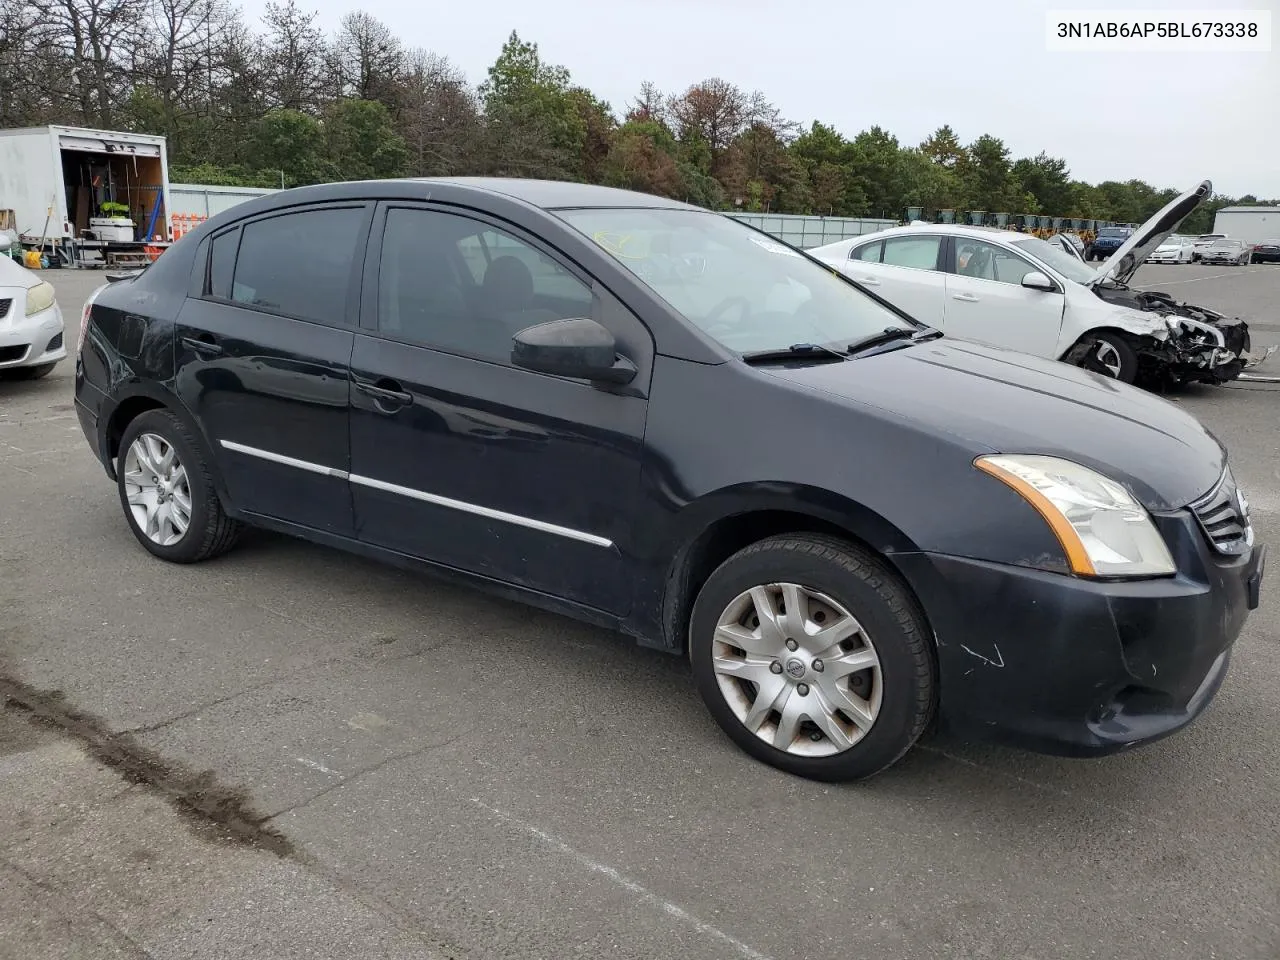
(14, 274)
(1007, 402)
(1122, 264)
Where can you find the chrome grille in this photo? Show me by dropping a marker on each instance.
(1224, 517)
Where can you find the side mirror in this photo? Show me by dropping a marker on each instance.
(1035, 280)
(579, 348)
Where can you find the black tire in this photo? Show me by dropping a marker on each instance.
(877, 598)
(1128, 358)
(30, 373)
(210, 531)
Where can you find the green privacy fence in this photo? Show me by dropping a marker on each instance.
(807, 232)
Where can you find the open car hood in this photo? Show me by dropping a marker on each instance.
(1122, 264)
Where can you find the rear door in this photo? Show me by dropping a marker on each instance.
(905, 270)
(263, 357)
(463, 459)
(986, 301)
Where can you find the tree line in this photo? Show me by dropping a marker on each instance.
(282, 103)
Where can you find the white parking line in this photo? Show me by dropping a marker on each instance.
(1212, 276)
(630, 885)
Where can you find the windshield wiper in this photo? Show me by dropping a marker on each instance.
(890, 335)
(793, 352)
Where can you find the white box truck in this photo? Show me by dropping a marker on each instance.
(66, 185)
(1250, 224)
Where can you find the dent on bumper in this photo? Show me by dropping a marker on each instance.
(1074, 667)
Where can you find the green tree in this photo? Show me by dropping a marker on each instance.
(292, 142)
(535, 122)
(361, 142)
(1048, 180)
(943, 148)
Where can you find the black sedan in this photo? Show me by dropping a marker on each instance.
(659, 420)
(1268, 251)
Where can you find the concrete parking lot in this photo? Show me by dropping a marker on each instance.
(405, 769)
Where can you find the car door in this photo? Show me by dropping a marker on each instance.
(461, 458)
(906, 271)
(986, 301)
(262, 358)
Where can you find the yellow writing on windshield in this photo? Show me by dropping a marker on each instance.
(617, 244)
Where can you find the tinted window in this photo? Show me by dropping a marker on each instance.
(299, 264)
(919, 252)
(455, 283)
(869, 253)
(222, 261)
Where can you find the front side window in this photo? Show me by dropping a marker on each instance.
(1056, 258)
(744, 289)
(299, 264)
(457, 284)
(918, 252)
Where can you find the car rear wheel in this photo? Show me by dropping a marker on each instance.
(167, 491)
(813, 657)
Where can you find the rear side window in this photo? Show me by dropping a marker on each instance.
(868, 253)
(299, 264)
(918, 252)
(222, 261)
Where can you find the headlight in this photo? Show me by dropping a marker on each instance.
(1103, 530)
(39, 297)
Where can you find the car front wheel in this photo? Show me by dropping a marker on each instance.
(167, 491)
(813, 657)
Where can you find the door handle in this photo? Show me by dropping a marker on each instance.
(203, 345)
(966, 297)
(869, 281)
(387, 391)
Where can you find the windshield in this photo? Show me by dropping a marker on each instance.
(738, 286)
(1120, 232)
(1057, 258)
(1227, 244)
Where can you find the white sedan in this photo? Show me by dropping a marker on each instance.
(1174, 249)
(1017, 291)
(31, 330)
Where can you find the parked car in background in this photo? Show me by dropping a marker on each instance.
(1019, 548)
(1011, 290)
(1226, 251)
(1268, 251)
(1107, 242)
(1203, 242)
(1174, 249)
(31, 331)
(1072, 243)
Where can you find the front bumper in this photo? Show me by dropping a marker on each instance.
(31, 341)
(1076, 667)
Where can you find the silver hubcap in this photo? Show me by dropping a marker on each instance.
(797, 669)
(157, 489)
(1109, 357)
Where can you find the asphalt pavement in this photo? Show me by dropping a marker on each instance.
(291, 752)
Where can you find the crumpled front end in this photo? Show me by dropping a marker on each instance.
(1203, 345)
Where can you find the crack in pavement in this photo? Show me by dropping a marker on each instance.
(364, 772)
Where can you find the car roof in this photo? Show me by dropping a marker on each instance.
(950, 229)
(561, 194)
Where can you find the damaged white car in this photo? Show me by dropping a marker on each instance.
(1016, 291)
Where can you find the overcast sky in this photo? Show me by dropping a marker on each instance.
(1171, 119)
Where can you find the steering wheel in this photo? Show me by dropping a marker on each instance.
(711, 321)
